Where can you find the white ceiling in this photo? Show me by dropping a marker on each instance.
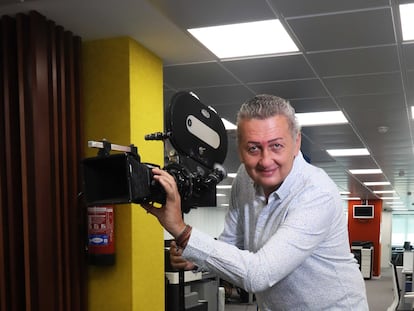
(351, 58)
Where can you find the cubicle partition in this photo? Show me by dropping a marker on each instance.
(405, 278)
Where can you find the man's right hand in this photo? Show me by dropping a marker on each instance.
(176, 259)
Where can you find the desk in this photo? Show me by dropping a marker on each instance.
(406, 280)
(408, 260)
(189, 276)
(405, 277)
(200, 291)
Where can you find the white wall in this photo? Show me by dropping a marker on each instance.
(207, 219)
(210, 220)
(385, 238)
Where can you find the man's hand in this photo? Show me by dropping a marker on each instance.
(169, 215)
(176, 259)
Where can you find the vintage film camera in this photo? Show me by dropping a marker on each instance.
(195, 144)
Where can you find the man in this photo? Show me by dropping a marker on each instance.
(285, 236)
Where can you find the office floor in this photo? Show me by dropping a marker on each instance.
(379, 293)
(240, 307)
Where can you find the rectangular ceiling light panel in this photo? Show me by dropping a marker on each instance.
(365, 171)
(266, 37)
(348, 152)
(383, 191)
(321, 118)
(377, 183)
(407, 21)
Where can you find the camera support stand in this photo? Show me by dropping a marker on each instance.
(181, 290)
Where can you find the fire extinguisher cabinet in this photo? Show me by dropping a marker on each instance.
(101, 244)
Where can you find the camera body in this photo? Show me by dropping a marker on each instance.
(195, 145)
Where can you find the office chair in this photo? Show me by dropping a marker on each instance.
(397, 290)
(410, 296)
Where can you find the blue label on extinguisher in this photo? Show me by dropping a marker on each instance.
(98, 239)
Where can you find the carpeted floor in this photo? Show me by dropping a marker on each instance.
(380, 291)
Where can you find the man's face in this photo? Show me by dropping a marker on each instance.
(267, 149)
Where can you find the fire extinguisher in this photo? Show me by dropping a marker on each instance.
(101, 244)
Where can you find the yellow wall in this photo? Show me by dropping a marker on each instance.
(122, 102)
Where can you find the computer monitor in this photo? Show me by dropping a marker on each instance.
(363, 211)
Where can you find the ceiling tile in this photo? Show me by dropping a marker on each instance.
(408, 50)
(356, 61)
(313, 104)
(387, 109)
(196, 75)
(291, 89)
(410, 80)
(270, 68)
(223, 95)
(305, 7)
(332, 136)
(367, 84)
(213, 12)
(347, 30)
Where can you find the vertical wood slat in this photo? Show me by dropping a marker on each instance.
(3, 199)
(24, 120)
(45, 272)
(52, 261)
(79, 231)
(8, 217)
(75, 154)
(68, 134)
(57, 174)
(11, 223)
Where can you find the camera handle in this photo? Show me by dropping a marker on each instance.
(158, 136)
(105, 147)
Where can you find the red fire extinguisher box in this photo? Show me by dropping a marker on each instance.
(101, 244)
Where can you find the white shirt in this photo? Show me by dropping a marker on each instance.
(292, 252)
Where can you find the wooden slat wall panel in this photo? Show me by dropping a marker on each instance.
(42, 220)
